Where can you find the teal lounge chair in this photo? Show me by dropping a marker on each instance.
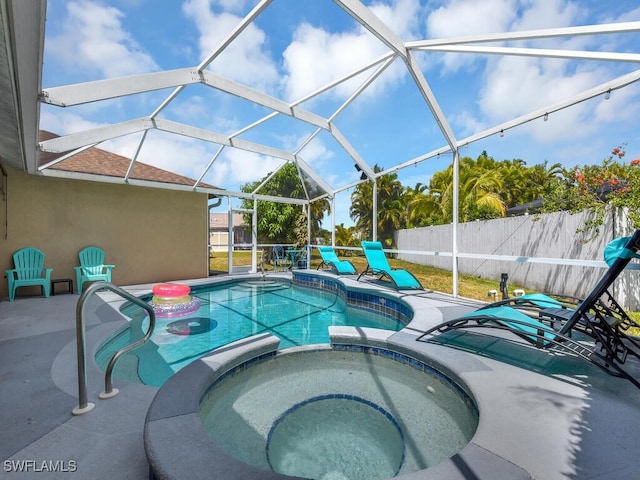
(92, 267)
(28, 271)
(534, 330)
(593, 328)
(330, 259)
(377, 264)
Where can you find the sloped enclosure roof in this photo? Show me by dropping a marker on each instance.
(284, 124)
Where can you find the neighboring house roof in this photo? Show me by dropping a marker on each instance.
(96, 161)
(525, 208)
(220, 221)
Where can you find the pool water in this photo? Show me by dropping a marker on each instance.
(297, 315)
(323, 437)
(339, 415)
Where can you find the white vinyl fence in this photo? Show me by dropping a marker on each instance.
(543, 253)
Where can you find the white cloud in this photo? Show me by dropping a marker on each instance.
(236, 167)
(204, 113)
(182, 155)
(468, 123)
(401, 17)
(622, 106)
(316, 152)
(64, 123)
(468, 17)
(513, 86)
(236, 6)
(246, 59)
(516, 85)
(94, 39)
(630, 16)
(317, 57)
(547, 14)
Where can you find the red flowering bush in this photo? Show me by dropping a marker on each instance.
(595, 187)
(618, 152)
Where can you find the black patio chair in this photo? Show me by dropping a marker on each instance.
(594, 328)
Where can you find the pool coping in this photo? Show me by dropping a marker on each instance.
(511, 442)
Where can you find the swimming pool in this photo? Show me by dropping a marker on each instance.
(297, 314)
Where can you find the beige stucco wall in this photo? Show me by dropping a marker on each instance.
(150, 234)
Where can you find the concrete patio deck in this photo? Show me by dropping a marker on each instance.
(596, 438)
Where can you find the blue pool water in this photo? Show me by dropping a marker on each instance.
(297, 315)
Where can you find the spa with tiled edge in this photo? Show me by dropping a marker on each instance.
(254, 412)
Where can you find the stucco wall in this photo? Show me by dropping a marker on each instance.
(150, 234)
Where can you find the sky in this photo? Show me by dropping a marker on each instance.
(294, 48)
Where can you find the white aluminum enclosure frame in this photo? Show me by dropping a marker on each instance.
(24, 60)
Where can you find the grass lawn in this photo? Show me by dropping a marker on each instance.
(431, 278)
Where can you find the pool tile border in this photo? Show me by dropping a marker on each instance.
(374, 302)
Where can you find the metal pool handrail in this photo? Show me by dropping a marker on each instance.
(83, 405)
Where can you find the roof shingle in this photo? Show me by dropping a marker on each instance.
(101, 162)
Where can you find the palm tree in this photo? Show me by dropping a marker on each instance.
(345, 236)
(361, 208)
(478, 193)
(542, 179)
(391, 207)
(423, 206)
(318, 209)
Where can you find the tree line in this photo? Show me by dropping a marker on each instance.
(488, 189)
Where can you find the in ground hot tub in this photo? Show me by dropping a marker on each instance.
(353, 412)
(339, 414)
(336, 436)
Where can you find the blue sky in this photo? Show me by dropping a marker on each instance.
(295, 47)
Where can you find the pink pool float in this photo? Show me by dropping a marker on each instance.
(173, 300)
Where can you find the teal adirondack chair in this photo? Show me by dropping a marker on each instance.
(92, 267)
(28, 271)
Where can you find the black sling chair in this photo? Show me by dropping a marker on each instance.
(549, 321)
